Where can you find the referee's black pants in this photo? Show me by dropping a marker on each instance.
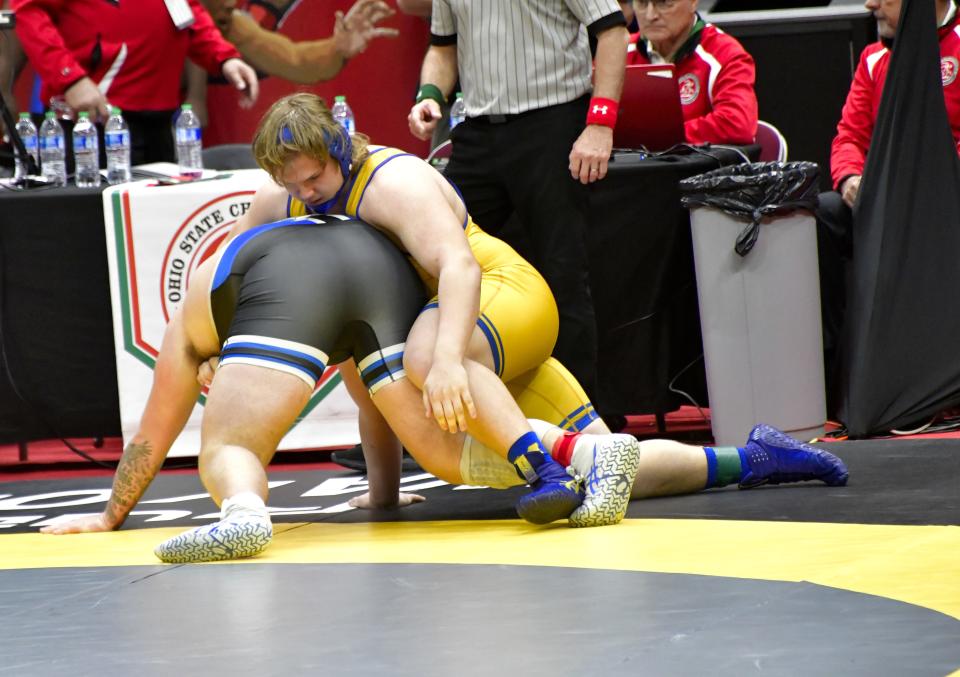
(521, 166)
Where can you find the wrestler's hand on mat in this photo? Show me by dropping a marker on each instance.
(446, 396)
(364, 502)
(81, 525)
(206, 370)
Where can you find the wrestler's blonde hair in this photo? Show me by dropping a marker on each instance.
(300, 123)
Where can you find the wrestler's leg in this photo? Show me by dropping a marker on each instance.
(249, 409)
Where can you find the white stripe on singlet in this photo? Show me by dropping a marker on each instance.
(517, 56)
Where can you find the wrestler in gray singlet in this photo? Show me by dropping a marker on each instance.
(300, 294)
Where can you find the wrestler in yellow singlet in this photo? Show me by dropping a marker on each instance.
(518, 314)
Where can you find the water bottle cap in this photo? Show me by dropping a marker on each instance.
(459, 95)
(84, 115)
(186, 106)
(24, 116)
(115, 110)
(49, 114)
(340, 98)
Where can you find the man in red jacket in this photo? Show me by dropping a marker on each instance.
(129, 53)
(848, 153)
(715, 74)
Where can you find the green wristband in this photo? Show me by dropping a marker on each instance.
(429, 91)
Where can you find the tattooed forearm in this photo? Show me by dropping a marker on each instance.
(135, 471)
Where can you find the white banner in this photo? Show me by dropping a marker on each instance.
(156, 237)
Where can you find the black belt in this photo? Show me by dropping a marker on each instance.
(500, 118)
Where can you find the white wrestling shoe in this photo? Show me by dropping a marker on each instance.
(609, 480)
(241, 532)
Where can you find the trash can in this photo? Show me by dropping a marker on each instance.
(755, 253)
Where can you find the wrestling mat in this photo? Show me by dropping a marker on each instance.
(790, 580)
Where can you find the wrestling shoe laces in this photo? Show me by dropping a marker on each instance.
(553, 496)
(616, 459)
(773, 457)
(241, 532)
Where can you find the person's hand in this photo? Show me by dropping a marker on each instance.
(850, 189)
(206, 371)
(81, 525)
(590, 154)
(423, 119)
(84, 95)
(364, 502)
(353, 31)
(446, 396)
(244, 78)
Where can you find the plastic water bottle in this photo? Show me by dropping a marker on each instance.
(86, 152)
(189, 144)
(458, 111)
(343, 114)
(53, 150)
(27, 132)
(116, 137)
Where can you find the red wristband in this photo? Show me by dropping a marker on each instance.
(602, 112)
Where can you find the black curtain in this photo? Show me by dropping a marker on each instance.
(901, 346)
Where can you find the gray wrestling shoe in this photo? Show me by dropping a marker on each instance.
(242, 532)
(616, 459)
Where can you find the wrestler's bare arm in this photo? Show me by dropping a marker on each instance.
(187, 341)
(269, 204)
(407, 198)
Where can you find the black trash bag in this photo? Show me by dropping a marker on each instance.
(751, 191)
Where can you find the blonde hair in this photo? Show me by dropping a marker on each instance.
(301, 123)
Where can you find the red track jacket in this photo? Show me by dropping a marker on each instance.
(66, 40)
(716, 76)
(849, 151)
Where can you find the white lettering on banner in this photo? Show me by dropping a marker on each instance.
(239, 209)
(7, 522)
(338, 486)
(335, 486)
(32, 502)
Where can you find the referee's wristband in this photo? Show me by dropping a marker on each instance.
(602, 112)
(431, 92)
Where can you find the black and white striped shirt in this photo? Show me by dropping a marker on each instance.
(519, 55)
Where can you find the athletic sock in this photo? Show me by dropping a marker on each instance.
(245, 499)
(527, 454)
(725, 465)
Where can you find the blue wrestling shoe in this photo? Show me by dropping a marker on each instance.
(242, 532)
(552, 497)
(773, 457)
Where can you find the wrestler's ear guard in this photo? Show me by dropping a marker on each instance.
(340, 147)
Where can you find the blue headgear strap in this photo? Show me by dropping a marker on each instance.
(340, 147)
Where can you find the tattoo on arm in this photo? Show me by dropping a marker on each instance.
(136, 470)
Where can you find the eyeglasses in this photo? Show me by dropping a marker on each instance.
(659, 5)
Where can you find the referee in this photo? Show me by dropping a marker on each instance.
(535, 134)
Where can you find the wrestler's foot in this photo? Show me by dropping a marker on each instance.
(616, 459)
(552, 497)
(242, 532)
(773, 457)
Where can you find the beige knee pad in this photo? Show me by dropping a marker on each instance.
(480, 466)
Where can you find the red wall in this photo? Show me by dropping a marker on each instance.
(379, 84)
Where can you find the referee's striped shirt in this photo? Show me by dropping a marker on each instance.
(519, 55)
